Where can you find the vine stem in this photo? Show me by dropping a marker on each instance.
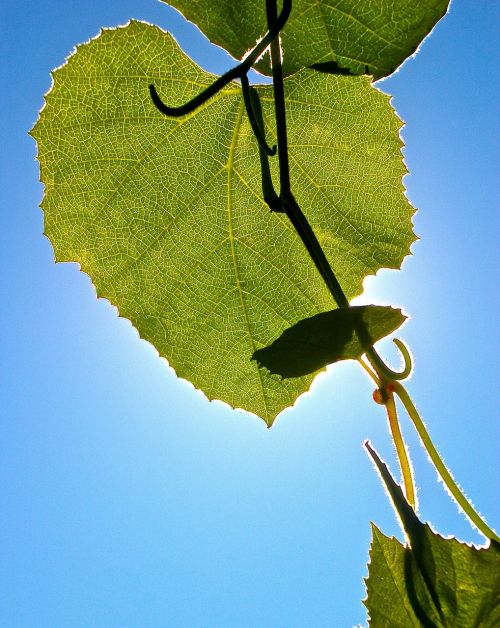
(279, 99)
(308, 237)
(443, 472)
(397, 436)
(401, 451)
(386, 377)
(288, 202)
(292, 208)
(372, 374)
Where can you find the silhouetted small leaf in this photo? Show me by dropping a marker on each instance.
(433, 581)
(329, 337)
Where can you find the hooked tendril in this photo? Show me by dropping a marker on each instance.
(237, 72)
(256, 123)
(382, 367)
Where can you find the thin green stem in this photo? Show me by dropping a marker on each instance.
(386, 397)
(449, 482)
(372, 374)
(401, 451)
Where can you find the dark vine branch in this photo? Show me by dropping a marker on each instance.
(386, 379)
(235, 73)
(294, 212)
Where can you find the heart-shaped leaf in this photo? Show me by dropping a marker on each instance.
(166, 215)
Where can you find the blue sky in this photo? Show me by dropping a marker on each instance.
(128, 499)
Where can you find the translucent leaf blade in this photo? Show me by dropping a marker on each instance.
(373, 36)
(166, 215)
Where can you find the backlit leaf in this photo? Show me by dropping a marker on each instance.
(377, 36)
(166, 215)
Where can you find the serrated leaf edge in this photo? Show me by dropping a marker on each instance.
(179, 371)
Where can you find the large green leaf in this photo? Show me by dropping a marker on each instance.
(356, 34)
(432, 582)
(166, 215)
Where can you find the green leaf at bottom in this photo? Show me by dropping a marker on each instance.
(465, 582)
(431, 582)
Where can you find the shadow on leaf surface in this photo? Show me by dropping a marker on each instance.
(341, 334)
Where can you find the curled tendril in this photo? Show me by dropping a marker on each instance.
(238, 72)
(387, 372)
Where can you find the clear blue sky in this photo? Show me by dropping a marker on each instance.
(126, 498)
